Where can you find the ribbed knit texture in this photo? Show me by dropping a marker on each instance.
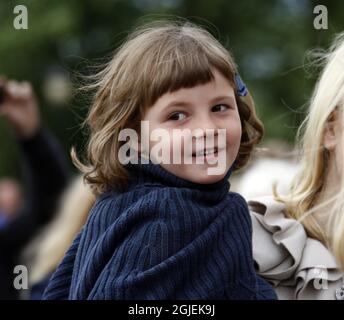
(165, 238)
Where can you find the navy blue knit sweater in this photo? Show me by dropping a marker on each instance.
(165, 238)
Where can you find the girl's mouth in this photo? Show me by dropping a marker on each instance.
(213, 152)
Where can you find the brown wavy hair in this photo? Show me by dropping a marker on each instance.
(155, 59)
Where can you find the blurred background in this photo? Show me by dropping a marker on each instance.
(269, 41)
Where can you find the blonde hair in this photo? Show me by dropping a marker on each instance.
(155, 59)
(45, 252)
(327, 97)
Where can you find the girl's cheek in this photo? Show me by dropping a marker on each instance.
(178, 145)
(234, 133)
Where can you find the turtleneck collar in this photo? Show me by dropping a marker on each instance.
(154, 173)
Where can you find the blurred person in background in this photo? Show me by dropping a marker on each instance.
(45, 173)
(10, 200)
(47, 249)
(298, 238)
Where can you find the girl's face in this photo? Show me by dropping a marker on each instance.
(207, 106)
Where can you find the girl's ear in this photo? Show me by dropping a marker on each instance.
(331, 132)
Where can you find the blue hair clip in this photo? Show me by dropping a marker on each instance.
(241, 87)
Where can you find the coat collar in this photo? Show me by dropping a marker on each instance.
(282, 249)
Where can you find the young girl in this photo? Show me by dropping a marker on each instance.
(165, 231)
(298, 240)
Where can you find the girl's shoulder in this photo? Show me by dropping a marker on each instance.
(112, 205)
(131, 195)
(237, 198)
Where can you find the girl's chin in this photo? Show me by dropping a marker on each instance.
(197, 174)
(208, 179)
(202, 176)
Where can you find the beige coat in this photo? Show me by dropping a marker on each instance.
(299, 267)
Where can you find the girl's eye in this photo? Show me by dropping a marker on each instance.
(177, 116)
(220, 107)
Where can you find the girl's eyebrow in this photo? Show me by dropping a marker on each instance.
(222, 97)
(177, 103)
(180, 103)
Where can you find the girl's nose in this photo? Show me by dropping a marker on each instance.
(203, 126)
